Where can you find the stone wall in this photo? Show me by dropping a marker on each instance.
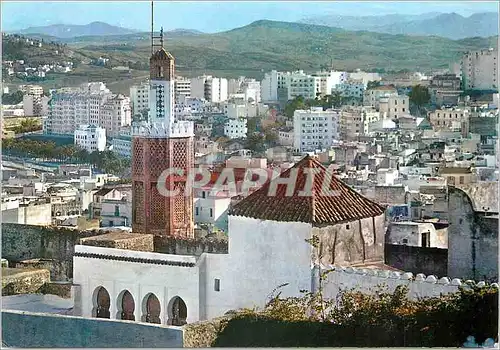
(432, 261)
(32, 330)
(121, 240)
(26, 242)
(198, 246)
(23, 281)
(472, 239)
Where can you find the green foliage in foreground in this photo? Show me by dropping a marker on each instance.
(359, 320)
(106, 161)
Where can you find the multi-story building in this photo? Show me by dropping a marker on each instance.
(35, 90)
(236, 128)
(365, 77)
(351, 89)
(139, 100)
(450, 119)
(372, 96)
(285, 136)
(69, 108)
(115, 114)
(445, 89)
(182, 87)
(90, 138)
(269, 87)
(35, 105)
(209, 88)
(479, 70)
(351, 123)
(394, 106)
(315, 129)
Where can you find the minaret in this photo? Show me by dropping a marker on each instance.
(161, 144)
(161, 76)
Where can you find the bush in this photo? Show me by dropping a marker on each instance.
(359, 320)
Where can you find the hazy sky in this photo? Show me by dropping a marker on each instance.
(209, 16)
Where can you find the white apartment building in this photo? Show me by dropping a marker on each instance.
(115, 114)
(182, 87)
(91, 104)
(35, 90)
(269, 87)
(285, 136)
(479, 70)
(328, 80)
(90, 138)
(299, 83)
(251, 89)
(315, 129)
(394, 107)
(139, 98)
(370, 116)
(365, 77)
(371, 97)
(209, 209)
(351, 89)
(209, 88)
(35, 105)
(236, 128)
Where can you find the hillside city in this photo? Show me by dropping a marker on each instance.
(88, 232)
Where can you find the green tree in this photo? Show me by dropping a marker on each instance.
(372, 84)
(419, 97)
(12, 98)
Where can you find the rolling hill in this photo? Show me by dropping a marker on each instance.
(447, 25)
(72, 31)
(265, 45)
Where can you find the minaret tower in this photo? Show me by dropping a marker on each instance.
(158, 145)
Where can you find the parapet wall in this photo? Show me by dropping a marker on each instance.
(32, 330)
(368, 280)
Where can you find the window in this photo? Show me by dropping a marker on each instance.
(347, 227)
(217, 285)
(461, 180)
(211, 212)
(111, 223)
(203, 195)
(460, 221)
(117, 210)
(405, 241)
(196, 211)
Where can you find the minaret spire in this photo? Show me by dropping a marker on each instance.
(161, 37)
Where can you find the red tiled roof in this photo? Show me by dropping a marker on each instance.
(339, 203)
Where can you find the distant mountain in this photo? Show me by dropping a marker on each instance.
(365, 22)
(447, 25)
(72, 31)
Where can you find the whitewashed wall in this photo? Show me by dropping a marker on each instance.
(367, 280)
(139, 279)
(266, 254)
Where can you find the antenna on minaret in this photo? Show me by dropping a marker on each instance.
(152, 27)
(161, 37)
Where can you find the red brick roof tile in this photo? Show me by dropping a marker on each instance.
(329, 203)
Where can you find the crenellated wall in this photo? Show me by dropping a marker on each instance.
(367, 280)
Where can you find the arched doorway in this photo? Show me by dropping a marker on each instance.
(177, 312)
(151, 309)
(126, 306)
(102, 302)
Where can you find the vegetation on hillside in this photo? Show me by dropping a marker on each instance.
(287, 46)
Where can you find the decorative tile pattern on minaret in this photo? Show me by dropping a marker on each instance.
(158, 145)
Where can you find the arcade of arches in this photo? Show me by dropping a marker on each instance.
(151, 308)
